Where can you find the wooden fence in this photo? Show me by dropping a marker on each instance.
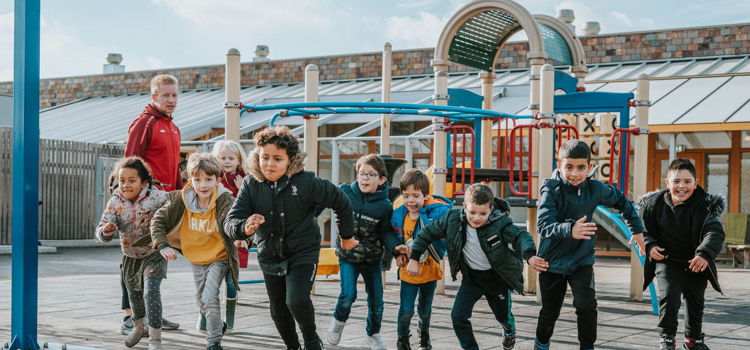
(72, 186)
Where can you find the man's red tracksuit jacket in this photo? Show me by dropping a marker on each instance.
(154, 137)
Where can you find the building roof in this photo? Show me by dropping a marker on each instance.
(684, 91)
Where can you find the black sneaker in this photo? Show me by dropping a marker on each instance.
(215, 347)
(509, 341)
(697, 344)
(403, 343)
(667, 343)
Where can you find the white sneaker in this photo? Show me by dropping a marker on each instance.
(334, 331)
(374, 342)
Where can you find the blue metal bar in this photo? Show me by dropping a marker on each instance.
(331, 107)
(624, 228)
(25, 196)
(624, 151)
(477, 161)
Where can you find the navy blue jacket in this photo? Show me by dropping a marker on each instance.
(560, 205)
(372, 221)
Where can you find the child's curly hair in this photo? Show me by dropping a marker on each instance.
(281, 136)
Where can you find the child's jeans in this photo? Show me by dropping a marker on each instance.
(231, 290)
(373, 277)
(208, 280)
(409, 293)
(474, 285)
(553, 288)
(675, 281)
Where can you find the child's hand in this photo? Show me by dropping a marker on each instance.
(350, 243)
(412, 269)
(109, 227)
(240, 244)
(583, 229)
(168, 253)
(698, 264)
(655, 253)
(238, 181)
(402, 260)
(638, 239)
(538, 264)
(402, 249)
(252, 223)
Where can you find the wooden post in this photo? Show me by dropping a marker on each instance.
(546, 111)
(232, 96)
(311, 121)
(488, 78)
(640, 171)
(439, 162)
(531, 224)
(385, 119)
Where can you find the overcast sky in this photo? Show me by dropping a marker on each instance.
(151, 34)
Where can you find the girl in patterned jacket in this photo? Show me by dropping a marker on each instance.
(128, 214)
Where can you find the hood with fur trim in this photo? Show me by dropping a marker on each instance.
(717, 204)
(296, 164)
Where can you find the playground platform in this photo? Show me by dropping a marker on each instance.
(79, 298)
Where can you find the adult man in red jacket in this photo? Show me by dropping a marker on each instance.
(155, 138)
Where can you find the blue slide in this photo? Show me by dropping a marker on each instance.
(614, 224)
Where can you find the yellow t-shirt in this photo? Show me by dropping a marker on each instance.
(429, 270)
(200, 238)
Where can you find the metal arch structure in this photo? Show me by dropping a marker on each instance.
(578, 66)
(520, 14)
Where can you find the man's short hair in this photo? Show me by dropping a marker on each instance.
(574, 149)
(162, 79)
(682, 164)
(479, 194)
(205, 162)
(416, 178)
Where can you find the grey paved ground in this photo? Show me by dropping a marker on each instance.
(79, 304)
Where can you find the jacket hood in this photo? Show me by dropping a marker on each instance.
(437, 200)
(296, 165)
(190, 197)
(500, 209)
(717, 204)
(380, 194)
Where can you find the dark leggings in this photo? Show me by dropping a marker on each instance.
(148, 303)
(290, 301)
(125, 303)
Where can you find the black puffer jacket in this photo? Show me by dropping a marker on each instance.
(706, 231)
(372, 220)
(288, 205)
(505, 244)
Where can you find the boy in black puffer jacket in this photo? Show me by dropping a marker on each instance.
(683, 236)
(566, 239)
(489, 251)
(372, 217)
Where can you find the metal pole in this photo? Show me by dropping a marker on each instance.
(232, 94)
(488, 78)
(640, 169)
(311, 121)
(531, 225)
(438, 153)
(335, 171)
(672, 146)
(408, 153)
(385, 119)
(25, 195)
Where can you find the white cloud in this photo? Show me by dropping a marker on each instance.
(414, 32)
(622, 18)
(252, 15)
(63, 52)
(415, 4)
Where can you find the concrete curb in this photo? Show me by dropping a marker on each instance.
(50, 246)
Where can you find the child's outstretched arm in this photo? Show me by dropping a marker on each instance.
(612, 197)
(325, 194)
(432, 232)
(521, 241)
(241, 216)
(711, 244)
(547, 224)
(107, 228)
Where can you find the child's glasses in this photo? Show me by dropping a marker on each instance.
(371, 176)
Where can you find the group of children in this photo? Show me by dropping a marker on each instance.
(276, 207)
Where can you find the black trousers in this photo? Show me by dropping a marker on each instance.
(553, 288)
(125, 303)
(675, 281)
(290, 301)
(474, 285)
